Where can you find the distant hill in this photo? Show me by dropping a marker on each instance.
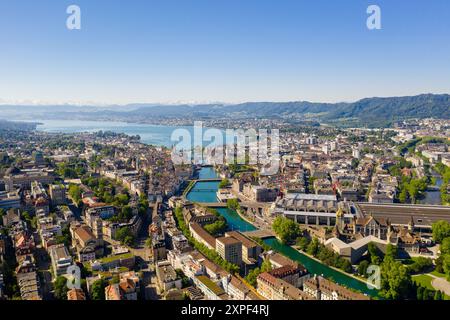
(368, 111)
(421, 106)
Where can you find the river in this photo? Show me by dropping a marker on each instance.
(433, 197)
(206, 192)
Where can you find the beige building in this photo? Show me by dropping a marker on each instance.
(230, 249)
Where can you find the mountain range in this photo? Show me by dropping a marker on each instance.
(369, 111)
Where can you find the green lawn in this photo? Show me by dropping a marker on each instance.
(424, 280)
(438, 274)
(117, 257)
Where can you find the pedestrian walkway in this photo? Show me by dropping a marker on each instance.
(440, 284)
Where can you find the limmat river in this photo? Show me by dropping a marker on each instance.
(205, 191)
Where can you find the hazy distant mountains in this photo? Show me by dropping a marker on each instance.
(369, 111)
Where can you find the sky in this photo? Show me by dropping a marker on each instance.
(144, 51)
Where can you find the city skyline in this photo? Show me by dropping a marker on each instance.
(178, 52)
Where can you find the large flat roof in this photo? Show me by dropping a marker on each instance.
(423, 215)
(310, 196)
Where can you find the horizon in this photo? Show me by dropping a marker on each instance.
(190, 103)
(174, 52)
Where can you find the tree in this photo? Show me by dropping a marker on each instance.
(395, 280)
(313, 247)
(98, 289)
(441, 230)
(403, 196)
(125, 236)
(445, 246)
(374, 253)
(224, 183)
(266, 266)
(253, 274)
(61, 288)
(126, 213)
(344, 265)
(419, 294)
(75, 192)
(391, 251)
(421, 264)
(446, 265)
(438, 295)
(233, 204)
(286, 229)
(362, 268)
(216, 228)
(302, 243)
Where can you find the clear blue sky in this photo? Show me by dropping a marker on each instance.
(222, 50)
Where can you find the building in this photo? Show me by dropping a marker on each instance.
(167, 277)
(85, 243)
(112, 292)
(202, 236)
(323, 289)
(211, 290)
(76, 295)
(294, 275)
(250, 249)
(273, 288)
(236, 289)
(230, 249)
(61, 259)
(9, 200)
(15, 178)
(57, 194)
(29, 286)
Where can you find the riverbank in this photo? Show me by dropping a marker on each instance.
(206, 192)
(331, 267)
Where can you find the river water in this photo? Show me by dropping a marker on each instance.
(206, 192)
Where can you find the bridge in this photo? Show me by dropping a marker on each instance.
(202, 190)
(262, 234)
(245, 205)
(213, 204)
(206, 180)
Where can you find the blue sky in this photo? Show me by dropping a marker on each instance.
(217, 50)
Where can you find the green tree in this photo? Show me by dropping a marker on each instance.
(233, 204)
(395, 280)
(446, 265)
(445, 246)
(286, 229)
(126, 213)
(302, 243)
(217, 228)
(362, 268)
(441, 230)
(374, 253)
(125, 236)
(313, 247)
(61, 288)
(98, 289)
(224, 183)
(391, 251)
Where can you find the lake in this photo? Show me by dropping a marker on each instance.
(158, 135)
